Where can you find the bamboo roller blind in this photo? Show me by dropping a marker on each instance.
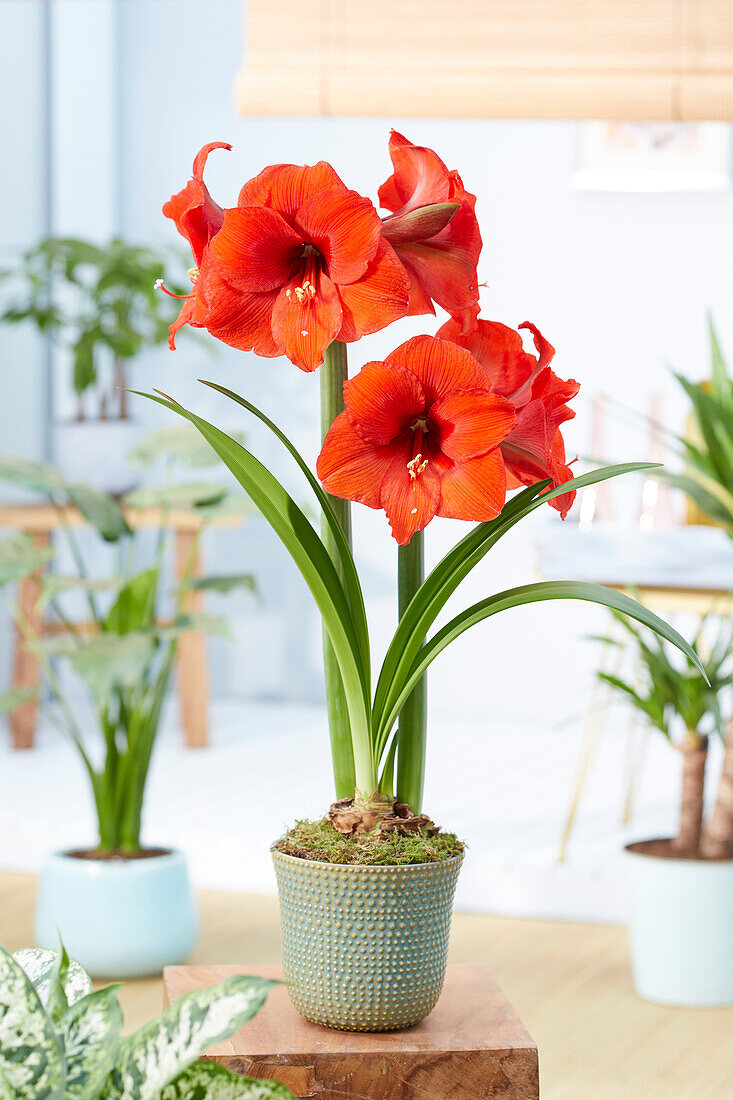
(654, 59)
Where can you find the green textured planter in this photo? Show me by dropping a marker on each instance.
(364, 948)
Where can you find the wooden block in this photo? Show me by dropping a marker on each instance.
(473, 1046)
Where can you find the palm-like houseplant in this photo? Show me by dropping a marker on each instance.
(62, 1040)
(124, 655)
(681, 890)
(302, 266)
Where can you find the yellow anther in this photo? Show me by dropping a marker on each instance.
(193, 274)
(416, 466)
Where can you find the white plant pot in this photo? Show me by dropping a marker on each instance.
(681, 928)
(118, 918)
(95, 452)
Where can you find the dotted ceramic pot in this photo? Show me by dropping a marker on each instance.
(364, 948)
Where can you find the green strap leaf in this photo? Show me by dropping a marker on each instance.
(91, 1030)
(527, 594)
(443, 581)
(315, 565)
(345, 557)
(155, 1055)
(31, 1055)
(58, 1003)
(209, 1081)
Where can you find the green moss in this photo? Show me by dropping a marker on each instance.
(320, 841)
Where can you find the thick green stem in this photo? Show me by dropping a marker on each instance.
(412, 726)
(334, 373)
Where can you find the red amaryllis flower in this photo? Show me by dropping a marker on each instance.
(298, 263)
(420, 438)
(198, 218)
(534, 449)
(439, 246)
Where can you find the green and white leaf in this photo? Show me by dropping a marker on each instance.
(224, 582)
(209, 1081)
(31, 1056)
(111, 661)
(195, 620)
(15, 697)
(91, 1030)
(38, 963)
(19, 557)
(100, 511)
(39, 476)
(54, 585)
(180, 443)
(156, 1054)
(192, 495)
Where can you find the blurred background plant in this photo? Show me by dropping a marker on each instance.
(97, 301)
(687, 706)
(124, 652)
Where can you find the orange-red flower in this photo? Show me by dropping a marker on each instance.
(420, 437)
(298, 263)
(441, 251)
(534, 449)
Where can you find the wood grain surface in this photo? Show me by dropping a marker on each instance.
(472, 1046)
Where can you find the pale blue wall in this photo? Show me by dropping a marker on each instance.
(619, 282)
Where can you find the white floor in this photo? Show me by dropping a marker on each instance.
(502, 786)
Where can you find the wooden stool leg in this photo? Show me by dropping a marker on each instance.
(26, 672)
(193, 687)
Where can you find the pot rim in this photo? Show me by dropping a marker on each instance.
(113, 866)
(367, 866)
(631, 850)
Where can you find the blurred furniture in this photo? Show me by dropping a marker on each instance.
(471, 1045)
(663, 59)
(39, 521)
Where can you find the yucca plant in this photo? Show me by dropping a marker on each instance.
(124, 653)
(60, 1040)
(683, 699)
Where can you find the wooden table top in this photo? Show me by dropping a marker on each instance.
(473, 1014)
(43, 518)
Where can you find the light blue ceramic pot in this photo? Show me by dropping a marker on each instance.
(681, 929)
(120, 919)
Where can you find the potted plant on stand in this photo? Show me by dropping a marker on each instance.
(124, 909)
(98, 303)
(301, 267)
(681, 888)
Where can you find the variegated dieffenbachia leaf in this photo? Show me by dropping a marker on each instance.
(157, 1053)
(91, 1031)
(38, 963)
(209, 1081)
(31, 1056)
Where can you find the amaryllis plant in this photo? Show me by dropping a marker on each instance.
(444, 426)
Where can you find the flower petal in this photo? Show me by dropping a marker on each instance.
(304, 324)
(377, 299)
(443, 272)
(420, 176)
(198, 218)
(345, 228)
(410, 502)
(256, 249)
(352, 468)
(474, 490)
(440, 365)
(242, 320)
(498, 349)
(469, 423)
(285, 187)
(383, 401)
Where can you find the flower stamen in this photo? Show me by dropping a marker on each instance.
(159, 285)
(416, 466)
